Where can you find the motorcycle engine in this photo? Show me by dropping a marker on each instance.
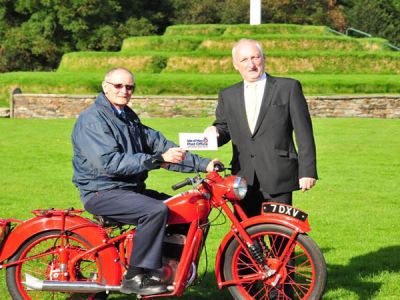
(174, 241)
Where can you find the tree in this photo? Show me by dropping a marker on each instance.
(235, 12)
(196, 11)
(210, 11)
(35, 33)
(379, 18)
(322, 12)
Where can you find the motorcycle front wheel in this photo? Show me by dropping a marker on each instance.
(303, 277)
(46, 266)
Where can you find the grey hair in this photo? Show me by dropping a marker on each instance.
(113, 70)
(243, 41)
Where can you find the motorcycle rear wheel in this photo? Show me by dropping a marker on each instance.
(47, 267)
(303, 278)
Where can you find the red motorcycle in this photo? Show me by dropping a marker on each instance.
(58, 254)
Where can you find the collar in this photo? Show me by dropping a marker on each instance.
(117, 111)
(261, 80)
(106, 105)
(102, 100)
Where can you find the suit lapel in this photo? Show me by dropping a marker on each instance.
(266, 101)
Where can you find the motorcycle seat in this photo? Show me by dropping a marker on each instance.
(107, 222)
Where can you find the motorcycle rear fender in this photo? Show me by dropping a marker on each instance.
(91, 232)
(266, 218)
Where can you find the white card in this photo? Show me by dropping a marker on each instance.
(198, 141)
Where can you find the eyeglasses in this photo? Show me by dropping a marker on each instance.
(118, 86)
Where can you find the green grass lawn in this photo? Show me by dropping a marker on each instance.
(354, 209)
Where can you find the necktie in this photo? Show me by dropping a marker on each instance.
(251, 109)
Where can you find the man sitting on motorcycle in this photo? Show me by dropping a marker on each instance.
(113, 152)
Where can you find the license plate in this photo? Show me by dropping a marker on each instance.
(284, 210)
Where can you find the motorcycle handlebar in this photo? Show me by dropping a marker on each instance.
(179, 185)
(218, 167)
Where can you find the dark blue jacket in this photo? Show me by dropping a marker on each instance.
(110, 152)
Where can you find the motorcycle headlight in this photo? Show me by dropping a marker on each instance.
(239, 188)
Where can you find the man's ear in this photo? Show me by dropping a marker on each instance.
(236, 68)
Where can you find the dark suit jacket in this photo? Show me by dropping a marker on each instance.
(270, 151)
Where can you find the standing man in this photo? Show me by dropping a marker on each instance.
(260, 115)
(113, 152)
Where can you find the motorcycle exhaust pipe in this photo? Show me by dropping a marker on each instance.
(33, 283)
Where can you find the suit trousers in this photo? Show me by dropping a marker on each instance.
(255, 197)
(146, 211)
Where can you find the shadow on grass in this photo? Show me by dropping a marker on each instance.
(350, 277)
(205, 290)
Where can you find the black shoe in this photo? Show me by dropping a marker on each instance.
(142, 284)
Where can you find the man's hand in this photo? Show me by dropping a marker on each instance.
(211, 164)
(174, 155)
(211, 130)
(306, 183)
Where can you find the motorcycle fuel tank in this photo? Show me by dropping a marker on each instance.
(187, 206)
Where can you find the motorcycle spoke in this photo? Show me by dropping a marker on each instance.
(256, 290)
(245, 266)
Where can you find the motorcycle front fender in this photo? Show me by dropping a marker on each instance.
(91, 232)
(266, 218)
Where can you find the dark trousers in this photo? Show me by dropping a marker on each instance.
(254, 199)
(146, 211)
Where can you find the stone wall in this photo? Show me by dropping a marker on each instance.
(69, 106)
(4, 112)
(368, 106)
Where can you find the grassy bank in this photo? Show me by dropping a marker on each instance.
(220, 61)
(188, 84)
(245, 29)
(271, 42)
(353, 209)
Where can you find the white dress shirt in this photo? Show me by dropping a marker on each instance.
(253, 95)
